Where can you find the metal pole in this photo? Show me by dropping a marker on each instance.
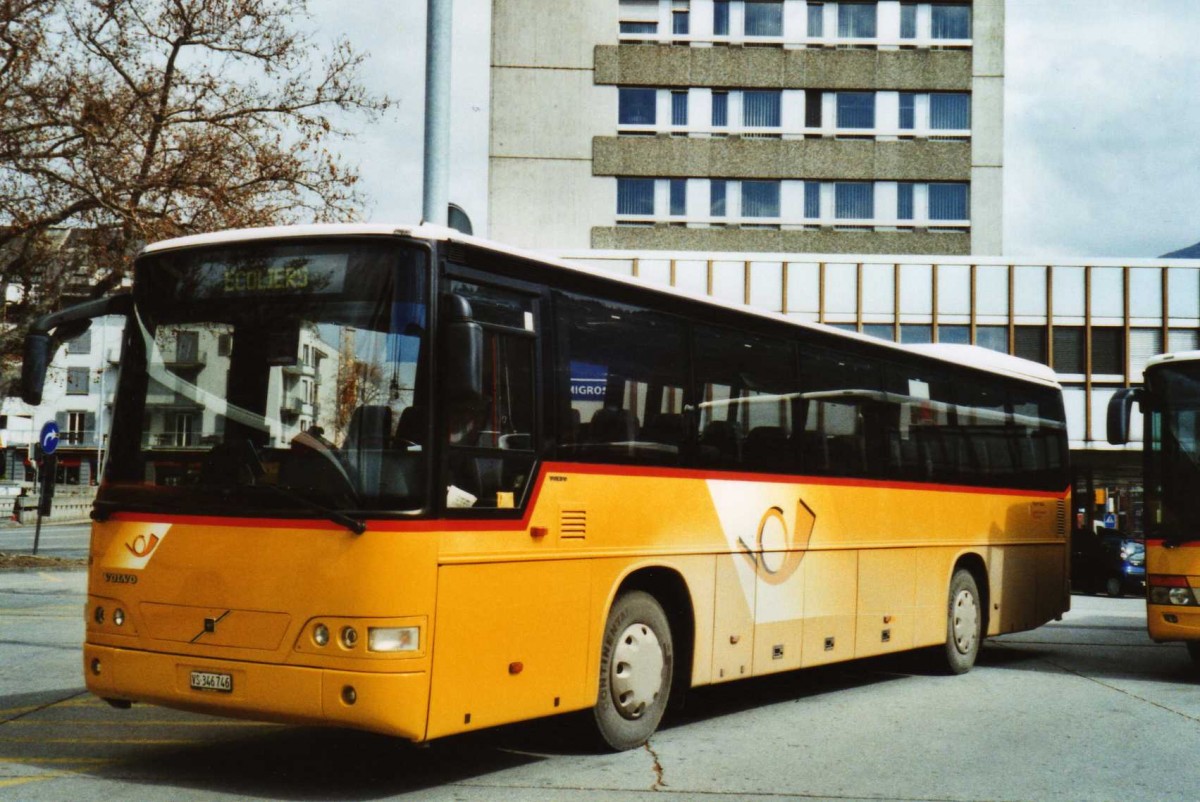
(437, 112)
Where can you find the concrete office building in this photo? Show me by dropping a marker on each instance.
(748, 125)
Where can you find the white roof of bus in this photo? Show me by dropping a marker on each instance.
(966, 355)
(1178, 356)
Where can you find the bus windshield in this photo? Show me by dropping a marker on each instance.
(275, 378)
(1172, 453)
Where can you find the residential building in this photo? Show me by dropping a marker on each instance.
(748, 125)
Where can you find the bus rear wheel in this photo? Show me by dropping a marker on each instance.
(636, 666)
(964, 623)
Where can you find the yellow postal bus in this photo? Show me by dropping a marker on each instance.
(408, 481)
(1170, 401)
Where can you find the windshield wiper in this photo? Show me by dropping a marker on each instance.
(353, 524)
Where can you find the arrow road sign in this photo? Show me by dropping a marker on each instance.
(49, 437)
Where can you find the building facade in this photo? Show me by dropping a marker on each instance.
(1096, 323)
(748, 125)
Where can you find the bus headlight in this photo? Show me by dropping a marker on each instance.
(393, 639)
(1175, 591)
(320, 634)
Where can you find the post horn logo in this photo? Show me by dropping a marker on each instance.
(777, 553)
(142, 546)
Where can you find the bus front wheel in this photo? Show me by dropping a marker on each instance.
(964, 623)
(636, 665)
(1193, 647)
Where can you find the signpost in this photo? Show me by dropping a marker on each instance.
(47, 465)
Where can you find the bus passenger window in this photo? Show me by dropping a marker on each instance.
(621, 386)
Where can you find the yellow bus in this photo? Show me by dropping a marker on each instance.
(1170, 402)
(408, 481)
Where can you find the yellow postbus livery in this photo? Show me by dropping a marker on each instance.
(1170, 401)
(408, 481)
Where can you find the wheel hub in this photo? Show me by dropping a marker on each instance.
(637, 669)
(966, 621)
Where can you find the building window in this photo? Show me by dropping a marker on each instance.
(812, 200)
(904, 201)
(721, 18)
(948, 202)
(854, 201)
(680, 22)
(951, 22)
(636, 106)
(908, 111)
(761, 109)
(1143, 344)
(813, 100)
(764, 18)
(908, 20)
(882, 331)
(949, 111)
(635, 196)
(1108, 351)
(679, 108)
(77, 381)
(1069, 354)
(720, 109)
(77, 428)
(855, 109)
(1029, 342)
(639, 27)
(760, 198)
(716, 197)
(957, 335)
(915, 334)
(816, 20)
(856, 20)
(994, 338)
(81, 344)
(678, 197)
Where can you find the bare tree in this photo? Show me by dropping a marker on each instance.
(137, 120)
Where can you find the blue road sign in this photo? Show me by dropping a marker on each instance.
(1110, 520)
(49, 437)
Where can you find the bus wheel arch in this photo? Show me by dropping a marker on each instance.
(649, 629)
(967, 614)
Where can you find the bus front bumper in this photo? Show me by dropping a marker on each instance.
(388, 703)
(1171, 623)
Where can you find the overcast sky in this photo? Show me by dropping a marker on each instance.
(1102, 131)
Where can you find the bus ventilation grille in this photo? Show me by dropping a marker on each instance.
(573, 523)
(1060, 518)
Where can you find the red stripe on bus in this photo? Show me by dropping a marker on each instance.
(587, 469)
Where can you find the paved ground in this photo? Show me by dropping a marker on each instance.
(1087, 709)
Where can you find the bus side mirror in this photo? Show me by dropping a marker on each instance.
(40, 344)
(38, 348)
(462, 353)
(1120, 407)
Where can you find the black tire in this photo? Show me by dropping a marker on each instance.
(1193, 647)
(1114, 587)
(636, 666)
(964, 624)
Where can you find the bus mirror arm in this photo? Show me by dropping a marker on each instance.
(1120, 407)
(462, 353)
(41, 343)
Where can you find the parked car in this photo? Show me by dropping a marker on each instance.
(1107, 561)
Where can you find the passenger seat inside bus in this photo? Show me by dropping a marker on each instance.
(380, 470)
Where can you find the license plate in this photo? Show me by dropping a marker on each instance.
(212, 681)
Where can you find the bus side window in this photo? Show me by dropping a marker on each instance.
(621, 380)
